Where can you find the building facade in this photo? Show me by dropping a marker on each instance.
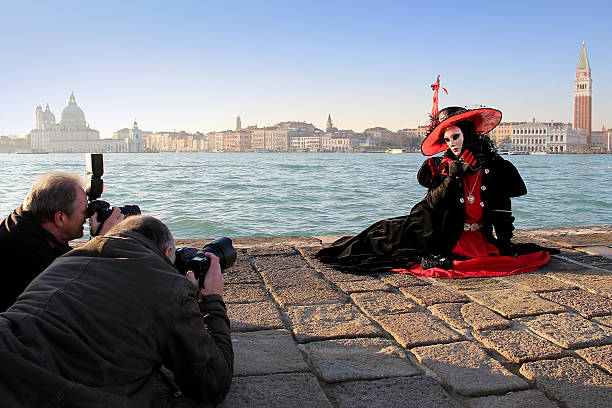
(72, 134)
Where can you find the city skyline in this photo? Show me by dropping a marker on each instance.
(197, 65)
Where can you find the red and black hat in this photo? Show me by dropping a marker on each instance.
(485, 120)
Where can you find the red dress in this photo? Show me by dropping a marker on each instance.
(482, 257)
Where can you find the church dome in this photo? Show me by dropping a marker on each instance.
(72, 115)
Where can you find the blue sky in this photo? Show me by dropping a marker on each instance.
(195, 65)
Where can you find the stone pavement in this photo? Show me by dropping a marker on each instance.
(306, 335)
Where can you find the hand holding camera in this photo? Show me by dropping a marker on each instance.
(206, 264)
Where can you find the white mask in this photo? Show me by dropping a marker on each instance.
(453, 137)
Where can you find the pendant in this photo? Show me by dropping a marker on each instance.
(470, 199)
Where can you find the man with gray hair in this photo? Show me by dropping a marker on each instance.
(94, 328)
(38, 231)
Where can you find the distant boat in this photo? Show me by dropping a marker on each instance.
(30, 151)
(517, 152)
(395, 151)
(543, 152)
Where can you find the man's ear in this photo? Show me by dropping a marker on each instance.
(168, 251)
(59, 218)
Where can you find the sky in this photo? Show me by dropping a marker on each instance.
(195, 65)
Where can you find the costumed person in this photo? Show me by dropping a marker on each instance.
(464, 225)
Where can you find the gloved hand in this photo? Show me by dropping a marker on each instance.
(474, 160)
(507, 248)
(457, 168)
(436, 261)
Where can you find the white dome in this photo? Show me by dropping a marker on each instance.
(73, 115)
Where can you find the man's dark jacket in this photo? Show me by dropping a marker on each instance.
(94, 328)
(26, 249)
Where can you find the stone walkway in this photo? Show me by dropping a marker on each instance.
(306, 335)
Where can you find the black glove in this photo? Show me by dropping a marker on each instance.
(507, 248)
(457, 168)
(436, 261)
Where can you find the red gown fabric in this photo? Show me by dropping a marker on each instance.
(483, 258)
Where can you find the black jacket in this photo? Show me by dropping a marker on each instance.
(94, 328)
(434, 224)
(26, 249)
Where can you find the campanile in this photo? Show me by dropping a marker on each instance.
(582, 95)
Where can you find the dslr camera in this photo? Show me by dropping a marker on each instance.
(94, 164)
(190, 259)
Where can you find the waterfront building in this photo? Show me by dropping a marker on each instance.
(550, 137)
(71, 134)
(306, 143)
(134, 138)
(582, 95)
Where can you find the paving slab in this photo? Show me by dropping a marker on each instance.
(415, 392)
(605, 322)
(601, 356)
(383, 303)
(512, 303)
(432, 294)
(253, 316)
(403, 279)
(522, 399)
(558, 264)
(468, 369)
(416, 329)
(601, 250)
(519, 346)
(594, 280)
(363, 286)
(537, 282)
(275, 250)
(307, 293)
(244, 293)
(469, 315)
(586, 303)
(322, 322)
(275, 262)
(241, 272)
(469, 284)
(266, 352)
(359, 359)
(572, 381)
(276, 391)
(568, 330)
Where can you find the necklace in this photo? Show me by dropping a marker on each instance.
(470, 196)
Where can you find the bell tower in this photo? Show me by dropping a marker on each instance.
(582, 95)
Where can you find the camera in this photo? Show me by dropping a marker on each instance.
(94, 164)
(190, 259)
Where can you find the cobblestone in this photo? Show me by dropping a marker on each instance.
(519, 346)
(432, 294)
(568, 330)
(587, 304)
(383, 303)
(415, 329)
(468, 369)
(469, 315)
(572, 381)
(511, 303)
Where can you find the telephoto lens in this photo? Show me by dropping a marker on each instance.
(190, 259)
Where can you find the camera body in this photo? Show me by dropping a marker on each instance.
(190, 259)
(94, 164)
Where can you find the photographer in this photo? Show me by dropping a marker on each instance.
(95, 327)
(35, 233)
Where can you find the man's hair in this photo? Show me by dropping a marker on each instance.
(150, 227)
(50, 193)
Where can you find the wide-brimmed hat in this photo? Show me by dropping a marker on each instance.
(485, 120)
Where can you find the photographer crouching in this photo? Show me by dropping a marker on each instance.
(53, 213)
(95, 327)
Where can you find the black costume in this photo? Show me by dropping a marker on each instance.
(94, 328)
(26, 249)
(435, 223)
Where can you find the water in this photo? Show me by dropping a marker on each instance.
(205, 195)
